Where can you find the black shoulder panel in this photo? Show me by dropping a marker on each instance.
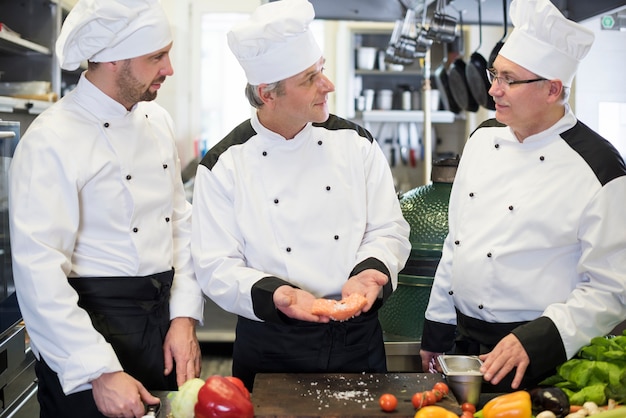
(489, 123)
(335, 123)
(600, 154)
(237, 136)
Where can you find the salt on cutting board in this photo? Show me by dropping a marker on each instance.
(299, 395)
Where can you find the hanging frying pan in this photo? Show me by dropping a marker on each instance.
(500, 43)
(476, 71)
(458, 82)
(441, 78)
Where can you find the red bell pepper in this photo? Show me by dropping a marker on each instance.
(219, 397)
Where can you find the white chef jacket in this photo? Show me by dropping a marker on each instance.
(95, 190)
(536, 229)
(305, 210)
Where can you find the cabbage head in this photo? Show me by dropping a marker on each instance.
(183, 401)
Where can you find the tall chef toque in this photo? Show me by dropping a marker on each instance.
(275, 43)
(545, 42)
(111, 30)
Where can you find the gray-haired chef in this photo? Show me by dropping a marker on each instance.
(100, 227)
(534, 265)
(295, 204)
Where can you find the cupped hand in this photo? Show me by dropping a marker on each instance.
(296, 304)
(368, 283)
(118, 394)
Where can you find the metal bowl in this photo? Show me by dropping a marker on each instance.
(463, 376)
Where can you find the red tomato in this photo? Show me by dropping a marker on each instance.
(418, 400)
(238, 382)
(438, 394)
(467, 414)
(388, 402)
(468, 407)
(430, 398)
(442, 387)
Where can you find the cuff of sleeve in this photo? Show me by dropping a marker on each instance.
(437, 336)
(190, 305)
(535, 336)
(262, 294)
(376, 264)
(86, 365)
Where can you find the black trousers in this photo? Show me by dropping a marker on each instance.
(352, 346)
(132, 313)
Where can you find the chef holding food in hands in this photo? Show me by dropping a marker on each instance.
(295, 205)
(534, 265)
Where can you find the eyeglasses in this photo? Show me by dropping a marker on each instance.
(492, 76)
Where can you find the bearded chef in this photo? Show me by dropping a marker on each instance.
(100, 227)
(295, 204)
(534, 265)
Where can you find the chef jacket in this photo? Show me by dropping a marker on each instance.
(536, 230)
(304, 211)
(95, 191)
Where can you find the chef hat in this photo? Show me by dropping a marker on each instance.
(111, 30)
(275, 43)
(545, 42)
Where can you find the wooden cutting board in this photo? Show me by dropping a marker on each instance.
(288, 395)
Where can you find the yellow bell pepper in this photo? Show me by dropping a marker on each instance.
(434, 411)
(511, 405)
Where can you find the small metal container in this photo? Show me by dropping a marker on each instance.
(463, 376)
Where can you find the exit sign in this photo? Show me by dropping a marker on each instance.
(608, 22)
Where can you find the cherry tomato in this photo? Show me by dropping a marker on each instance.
(430, 398)
(438, 394)
(442, 387)
(418, 400)
(467, 414)
(388, 402)
(468, 407)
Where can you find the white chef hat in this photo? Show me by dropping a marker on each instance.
(275, 43)
(545, 42)
(111, 30)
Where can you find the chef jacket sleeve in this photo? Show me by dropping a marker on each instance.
(186, 299)
(222, 249)
(598, 303)
(440, 317)
(44, 222)
(386, 235)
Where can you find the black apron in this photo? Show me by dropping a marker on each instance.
(132, 313)
(352, 346)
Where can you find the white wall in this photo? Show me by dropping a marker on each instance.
(175, 95)
(600, 78)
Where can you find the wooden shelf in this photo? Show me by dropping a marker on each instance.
(16, 45)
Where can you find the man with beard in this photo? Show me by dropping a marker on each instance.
(100, 227)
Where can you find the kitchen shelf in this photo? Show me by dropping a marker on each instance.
(397, 116)
(17, 45)
(13, 104)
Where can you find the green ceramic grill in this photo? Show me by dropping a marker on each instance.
(425, 208)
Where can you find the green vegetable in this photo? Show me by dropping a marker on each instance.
(184, 401)
(597, 372)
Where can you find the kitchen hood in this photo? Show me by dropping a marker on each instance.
(391, 10)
